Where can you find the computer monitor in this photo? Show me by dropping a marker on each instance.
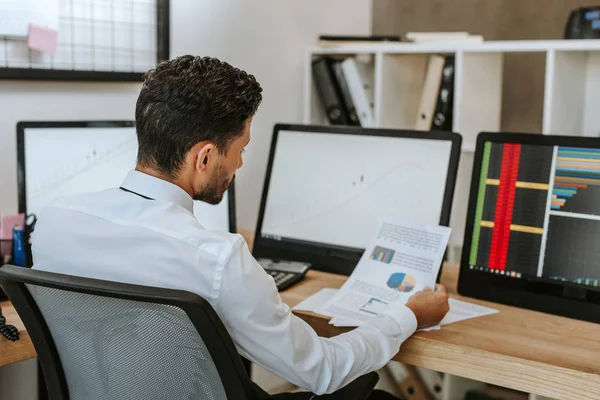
(327, 187)
(533, 224)
(64, 158)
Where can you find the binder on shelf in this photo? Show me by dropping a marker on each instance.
(359, 77)
(336, 67)
(429, 95)
(329, 92)
(442, 119)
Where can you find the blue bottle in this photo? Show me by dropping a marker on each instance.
(18, 256)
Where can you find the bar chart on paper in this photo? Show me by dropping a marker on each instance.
(382, 254)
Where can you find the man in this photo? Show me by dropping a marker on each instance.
(193, 119)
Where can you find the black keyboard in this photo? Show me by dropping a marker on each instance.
(285, 273)
(283, 280)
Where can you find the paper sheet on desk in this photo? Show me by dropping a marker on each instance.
(402, 258)
(459, 311)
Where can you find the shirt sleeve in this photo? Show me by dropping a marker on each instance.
(267, 333)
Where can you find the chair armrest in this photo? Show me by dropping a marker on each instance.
(359, 389)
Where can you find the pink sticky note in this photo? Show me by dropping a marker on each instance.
(42, 39)
(8, 222)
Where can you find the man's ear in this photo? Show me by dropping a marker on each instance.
(205, 152)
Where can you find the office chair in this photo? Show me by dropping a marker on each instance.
(97, 339)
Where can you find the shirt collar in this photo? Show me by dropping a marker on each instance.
(157, 189)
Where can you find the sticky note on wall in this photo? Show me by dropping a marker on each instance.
(42, 39)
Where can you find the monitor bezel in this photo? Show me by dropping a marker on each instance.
(546, 295)
(338, 259)
(21, 169)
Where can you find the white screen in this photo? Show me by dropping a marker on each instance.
(334, 189)
(65, 161)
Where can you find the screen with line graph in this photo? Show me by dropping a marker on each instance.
(537, 213)
(333, 188)
(64, 161)
(61, 161)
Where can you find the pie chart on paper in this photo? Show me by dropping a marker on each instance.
(402, 282)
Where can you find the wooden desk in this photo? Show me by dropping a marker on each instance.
(516, 348)
(22, 349)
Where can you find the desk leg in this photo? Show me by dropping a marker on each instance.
(248, 367)
(42, 390)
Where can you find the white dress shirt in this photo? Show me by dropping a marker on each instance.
(119, 236)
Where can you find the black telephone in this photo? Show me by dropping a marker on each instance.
(8, 331)
(284, 273)
(584, 23)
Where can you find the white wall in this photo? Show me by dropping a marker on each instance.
(267, 38)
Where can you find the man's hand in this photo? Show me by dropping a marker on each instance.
(429, 306)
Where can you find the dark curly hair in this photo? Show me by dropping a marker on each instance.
(188, 100)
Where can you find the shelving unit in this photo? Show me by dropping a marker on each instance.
(571, 93)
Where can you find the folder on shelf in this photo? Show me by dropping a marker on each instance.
(429, 95)
(359, 77)
(329, 92)
(442, 118)
(336, 67)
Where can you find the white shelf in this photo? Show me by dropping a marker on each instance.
(514, 46)
(569, 102)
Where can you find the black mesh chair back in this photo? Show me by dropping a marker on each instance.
(100, 340)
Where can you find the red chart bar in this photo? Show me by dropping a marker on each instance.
(509, 171)
(510, 204)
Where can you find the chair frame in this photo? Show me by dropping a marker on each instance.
(234, 378)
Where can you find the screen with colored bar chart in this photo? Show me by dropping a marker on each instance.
(538, 213)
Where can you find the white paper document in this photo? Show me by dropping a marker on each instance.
(460, 311)
(402, 258)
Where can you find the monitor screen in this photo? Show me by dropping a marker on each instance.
(58, 159)
(537, 213)
(331, 189)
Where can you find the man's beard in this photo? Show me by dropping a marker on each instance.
(214, 191)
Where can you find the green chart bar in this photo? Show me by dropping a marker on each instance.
(485, 165)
